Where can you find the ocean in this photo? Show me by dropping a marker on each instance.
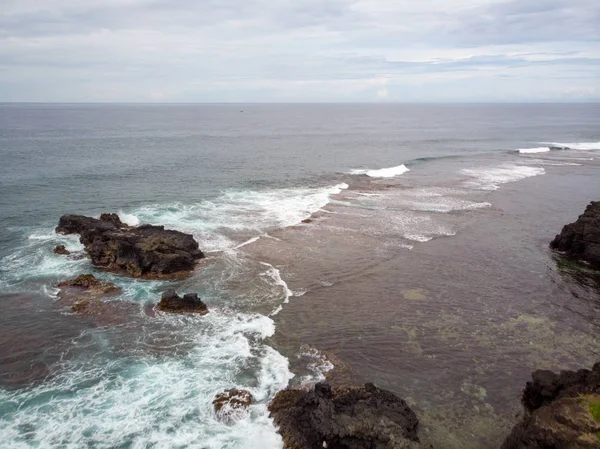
(404, 245)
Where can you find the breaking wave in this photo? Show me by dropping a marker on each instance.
(576, 145)
(389, 172)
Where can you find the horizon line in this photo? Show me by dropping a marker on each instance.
(300, 102)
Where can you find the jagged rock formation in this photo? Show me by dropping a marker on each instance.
(144, 251)
(581, 240)
(190, 303)
(345, 417)
(562, 412)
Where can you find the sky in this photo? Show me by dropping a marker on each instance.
(299, 50)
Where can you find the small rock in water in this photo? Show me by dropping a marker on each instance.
(85, 295)
(231, 404)
(89, 282)
(173, 303)
(234, 398)
(60, 249)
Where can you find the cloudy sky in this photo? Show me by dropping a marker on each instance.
(299, 50)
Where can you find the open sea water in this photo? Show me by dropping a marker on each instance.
(422, 265)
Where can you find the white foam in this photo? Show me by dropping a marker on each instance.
(429, 199)
(533, 150)
(162, 402)
(490, 178)
(275, 275)
(248, 242)
(129, 219)
(216, 223)
(35, 259)
(577, 145)
(389, 172)
(416, 227)
(317, 364)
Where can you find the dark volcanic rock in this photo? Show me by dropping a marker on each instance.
(581, 240)
(559, 411)
(190, 303)
(233, 398)
(60, 249)
(143, 251)
(347, 417)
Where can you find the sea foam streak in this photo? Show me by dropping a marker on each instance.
(533, 150)
(389, 172)
(490, 178)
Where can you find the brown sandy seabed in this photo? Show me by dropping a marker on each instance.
(455, 325)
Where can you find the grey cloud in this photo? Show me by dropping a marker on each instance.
(242, 49)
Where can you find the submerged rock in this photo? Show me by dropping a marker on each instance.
(232, 404)
(190, 303)
(60, 249)
(84, 294)
(562, 411)
(345, 417)
(90, 283)
(144, 251)
(581, 240)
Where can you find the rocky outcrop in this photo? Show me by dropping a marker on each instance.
(84, 294)
(60, 249)
(173, 303)
(562, 411)
(581, 240)
(144, 251)
(345, 417)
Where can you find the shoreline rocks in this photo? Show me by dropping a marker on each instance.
(173, 303)
(562, 411)
(344, 417)
(581, 240)
(144, 251)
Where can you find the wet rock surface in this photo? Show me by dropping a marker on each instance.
(189, 303)
(234, 398)
(562, 411)
(89, 283)
(60, 249)
(143, 251)
(86, 295)
(344, 417)
(581, 240)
